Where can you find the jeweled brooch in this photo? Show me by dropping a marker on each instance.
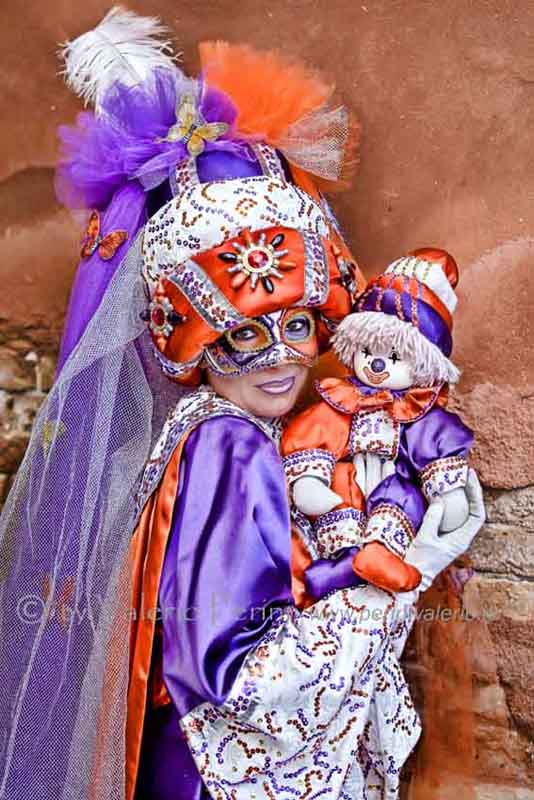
(257, 261)
(161, 317)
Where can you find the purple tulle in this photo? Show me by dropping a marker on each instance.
(102, 153)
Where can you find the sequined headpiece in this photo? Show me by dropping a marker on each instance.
(232, 163)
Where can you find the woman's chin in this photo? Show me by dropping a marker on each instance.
(270, 392)
(277, 406)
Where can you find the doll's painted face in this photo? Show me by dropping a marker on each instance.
(385, 369)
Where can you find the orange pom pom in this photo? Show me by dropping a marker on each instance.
(442, 257)
(286, 104)
(269, 91)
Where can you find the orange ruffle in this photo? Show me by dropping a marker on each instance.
(344, 396)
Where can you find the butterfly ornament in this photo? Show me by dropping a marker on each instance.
(107, 245)
(191, 129)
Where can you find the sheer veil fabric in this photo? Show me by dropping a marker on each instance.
(64, 572)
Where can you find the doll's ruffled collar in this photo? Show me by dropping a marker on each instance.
(349, 395)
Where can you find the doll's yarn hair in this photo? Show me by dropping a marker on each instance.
(381, 333)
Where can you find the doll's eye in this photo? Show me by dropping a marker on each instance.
(394, 357)
(366, 352)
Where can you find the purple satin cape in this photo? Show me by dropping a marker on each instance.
(226, 575)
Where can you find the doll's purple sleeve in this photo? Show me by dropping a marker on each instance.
(327, 574)
(395, 511)
(437, 447)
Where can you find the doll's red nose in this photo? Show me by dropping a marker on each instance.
(378, 365)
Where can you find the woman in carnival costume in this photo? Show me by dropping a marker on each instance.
(152, 642)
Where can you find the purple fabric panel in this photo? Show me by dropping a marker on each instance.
(439, 434)
(327, 574)
(125, 212)
(431, 325)
(227, 566)
(167, 770)
(219, 165)
(402, 493)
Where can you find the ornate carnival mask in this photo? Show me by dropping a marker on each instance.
(286, 336)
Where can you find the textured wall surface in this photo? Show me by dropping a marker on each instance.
(445, 94)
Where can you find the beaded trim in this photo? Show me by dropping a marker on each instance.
(390, 526)
(311, 463)
(337, 529)
(374, 432)
(269, 161)
(175, 369)
(205, 297)
(316, 272)
(184, 176)
(443, 475)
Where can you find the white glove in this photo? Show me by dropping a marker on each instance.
(313, 497)
(431, 553)
(371, 470)
(456, 509)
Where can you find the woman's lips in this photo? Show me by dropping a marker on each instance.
(280, 386)
(375, 377)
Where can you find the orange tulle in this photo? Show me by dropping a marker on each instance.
(271, 92)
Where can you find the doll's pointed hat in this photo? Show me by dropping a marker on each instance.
(233, 163)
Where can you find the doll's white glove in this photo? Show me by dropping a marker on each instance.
(431, 553)
(313, 497)
(455, 509)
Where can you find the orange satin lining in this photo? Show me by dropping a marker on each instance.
(147, 554)
(300, 561)
(401, 283)
(345, 396)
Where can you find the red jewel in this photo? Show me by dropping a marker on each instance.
(158, 316)
(258, 259)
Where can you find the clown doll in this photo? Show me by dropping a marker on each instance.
(397, 345)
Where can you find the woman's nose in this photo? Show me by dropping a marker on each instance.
(378, 365)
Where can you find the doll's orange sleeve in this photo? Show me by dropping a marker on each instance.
(314, 441)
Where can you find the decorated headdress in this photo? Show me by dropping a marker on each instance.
(196, 190)
(408, 308)
(228, 166)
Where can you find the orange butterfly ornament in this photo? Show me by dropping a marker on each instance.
(107, 245)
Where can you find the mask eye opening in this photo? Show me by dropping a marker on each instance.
(291, 315)
(261, 341)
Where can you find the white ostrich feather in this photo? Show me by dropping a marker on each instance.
(124, 47)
